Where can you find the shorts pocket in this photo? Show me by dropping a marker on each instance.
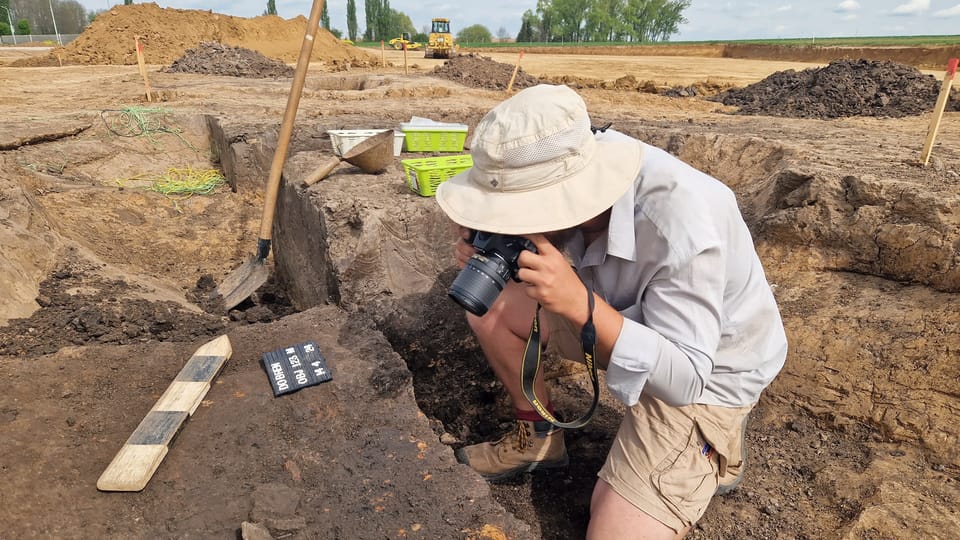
(686, 478)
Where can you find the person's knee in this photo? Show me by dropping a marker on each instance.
(512, 312)
(482, 326)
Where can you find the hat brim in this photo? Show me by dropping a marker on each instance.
(468, 201)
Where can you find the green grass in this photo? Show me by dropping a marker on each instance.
(870, 41)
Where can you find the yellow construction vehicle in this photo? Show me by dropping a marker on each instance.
(404, 39)
(440, 44)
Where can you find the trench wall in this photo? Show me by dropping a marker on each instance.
(367, 243)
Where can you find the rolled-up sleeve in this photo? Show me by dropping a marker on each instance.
(670, 336)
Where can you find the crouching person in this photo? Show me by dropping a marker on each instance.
(664, 269)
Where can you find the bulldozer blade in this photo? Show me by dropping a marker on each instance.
(242, 282)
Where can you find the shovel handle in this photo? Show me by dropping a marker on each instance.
(289, 116)
(321, 171)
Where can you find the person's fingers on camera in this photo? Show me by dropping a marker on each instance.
(547, 259)
(463, 250)
(544, 246)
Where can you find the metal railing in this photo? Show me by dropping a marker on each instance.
(36, 39)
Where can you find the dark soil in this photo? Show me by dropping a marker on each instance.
(478, 71)
(841, 89)
(79, 306)
(212, 58)
(457, 390)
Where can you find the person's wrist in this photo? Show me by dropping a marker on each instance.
(582, 313)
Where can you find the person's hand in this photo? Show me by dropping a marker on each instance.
(463, 249)
(552, 281)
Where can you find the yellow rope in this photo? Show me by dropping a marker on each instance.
(176, 184)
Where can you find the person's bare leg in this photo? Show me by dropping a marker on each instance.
(612, 516)
(502, 333)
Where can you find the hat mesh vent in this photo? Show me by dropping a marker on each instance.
(558, 145)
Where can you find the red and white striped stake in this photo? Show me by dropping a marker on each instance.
(143, 67)
(938, 111)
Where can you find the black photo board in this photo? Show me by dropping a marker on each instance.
(295, 367)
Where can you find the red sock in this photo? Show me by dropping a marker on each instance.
(532, 416)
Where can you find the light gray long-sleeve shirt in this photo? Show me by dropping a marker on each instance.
(701, 324)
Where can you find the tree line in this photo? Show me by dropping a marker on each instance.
(33, 17)
(638, 21)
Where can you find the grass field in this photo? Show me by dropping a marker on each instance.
(869, 41)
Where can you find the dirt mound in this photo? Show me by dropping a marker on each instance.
(841, 89)
(211, 58)
(78, 307)
(478, 71)
(166, 34)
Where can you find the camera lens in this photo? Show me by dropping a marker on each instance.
(477, 286)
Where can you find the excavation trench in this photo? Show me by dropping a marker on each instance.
(371, 246)
(366, 258)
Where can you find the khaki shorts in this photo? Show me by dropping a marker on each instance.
(667, 461)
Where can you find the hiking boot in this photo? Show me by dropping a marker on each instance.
(728, 484)
(532, 445)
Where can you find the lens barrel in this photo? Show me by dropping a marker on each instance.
(477, 286)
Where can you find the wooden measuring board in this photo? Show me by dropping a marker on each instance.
(135, 463)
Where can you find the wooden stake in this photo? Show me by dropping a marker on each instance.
(383, 60)
(143, 67)
(59, 60)
(938, 111)
(404, 58)
(515, 70)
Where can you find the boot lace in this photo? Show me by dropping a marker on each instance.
(521, 437)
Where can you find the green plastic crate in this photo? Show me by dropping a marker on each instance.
(425, 174)
(433, 139)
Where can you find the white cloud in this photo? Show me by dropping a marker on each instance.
(850, 17)
(847, 6)
(912, 7)
(949, 12)
(787, 7)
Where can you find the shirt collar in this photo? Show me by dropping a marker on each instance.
(622, 231)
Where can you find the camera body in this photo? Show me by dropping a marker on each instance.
(477, 286)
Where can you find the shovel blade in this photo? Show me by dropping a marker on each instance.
(242, 282)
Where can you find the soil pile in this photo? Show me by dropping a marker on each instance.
(80, 307)
(166, 34)
(478, 71)
(841, 89)
(211, 58)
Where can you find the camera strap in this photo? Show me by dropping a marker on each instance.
(531, 366)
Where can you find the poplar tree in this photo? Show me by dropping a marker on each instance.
(352, 19)
(636, 21)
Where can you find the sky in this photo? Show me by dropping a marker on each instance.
(707, 20)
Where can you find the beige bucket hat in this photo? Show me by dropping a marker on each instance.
(538, 167)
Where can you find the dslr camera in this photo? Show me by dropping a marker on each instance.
(477, 286)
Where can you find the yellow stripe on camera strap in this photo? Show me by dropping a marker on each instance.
(531, 366)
